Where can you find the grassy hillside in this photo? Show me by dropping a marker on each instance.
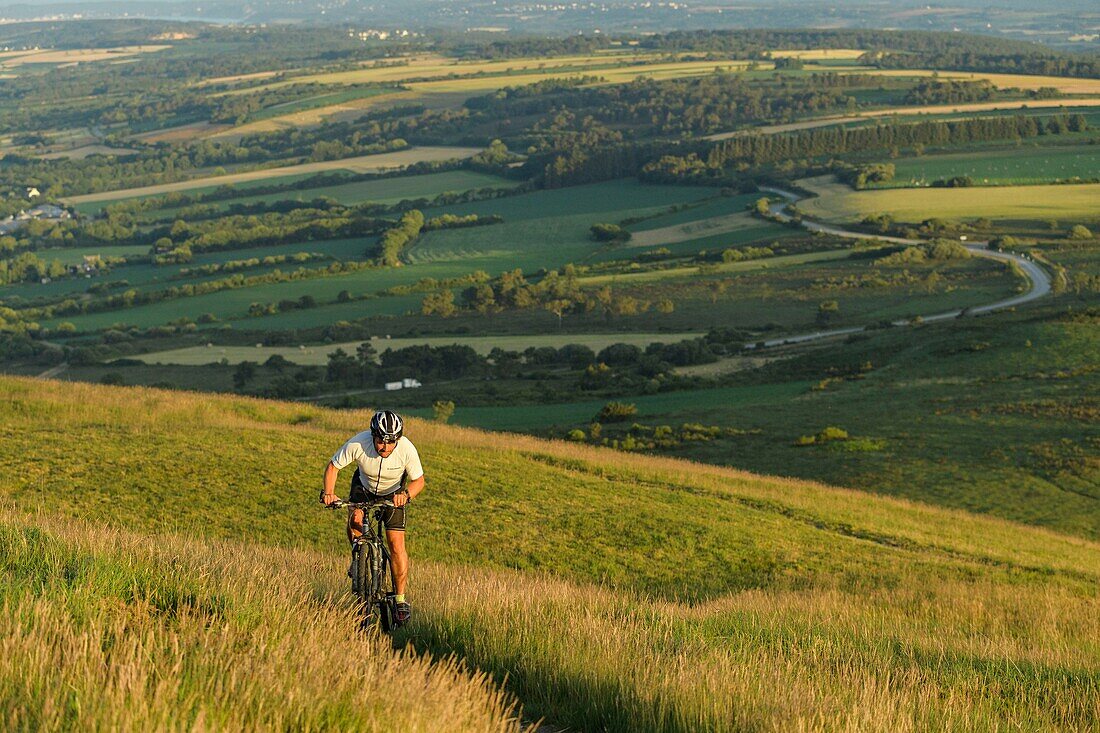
(606, 591)
(112, 630)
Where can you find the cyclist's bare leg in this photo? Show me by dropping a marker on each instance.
(355, 524)
(399, 559)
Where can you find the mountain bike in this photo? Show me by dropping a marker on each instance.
(371, 572)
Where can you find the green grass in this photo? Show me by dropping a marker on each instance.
(992, 415)
(384, 191)
(90, 208)
(713, 599)
(701, 403)
(1027, 165)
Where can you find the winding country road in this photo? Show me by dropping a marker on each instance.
(1038, 277)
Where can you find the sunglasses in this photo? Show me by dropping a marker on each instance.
(386, 441)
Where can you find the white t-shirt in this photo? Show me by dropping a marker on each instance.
(380, 475)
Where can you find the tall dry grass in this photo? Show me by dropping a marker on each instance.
(108, 630)
(945, 656)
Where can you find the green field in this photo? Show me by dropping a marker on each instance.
(838, 202)
(713, 599)
(540, 229)
(1027, 165)
(374, 163)
(382, 191)
(145, 276)
(93, 207)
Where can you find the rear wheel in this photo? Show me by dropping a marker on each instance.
(386, 604)
(361, 571)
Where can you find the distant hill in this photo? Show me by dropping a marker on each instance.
(606, 591)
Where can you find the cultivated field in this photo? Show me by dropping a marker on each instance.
(421, 70)
(346, 110)
(614, 75)
(767, 604)
(1026, 82)
(86, 150)
(361, 164)
(694, 230)
(180, 133)
(1016, 166)
(838, 202)
(817, 54)
(74, 56)
(935, 109)
(387, 190)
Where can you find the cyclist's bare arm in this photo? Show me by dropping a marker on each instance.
(413, 488)
(329, 483)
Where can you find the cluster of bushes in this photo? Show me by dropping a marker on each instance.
(131, 298)
(861, 176)
(826, 435)
(452, 221)
(283, 306)
(609, 233)
(647, 437)
(954, 182)
(400, 236)
(934, 91)
(28, 267)
(236, 265)
(240, 232)
(734, 254)
(939, 250)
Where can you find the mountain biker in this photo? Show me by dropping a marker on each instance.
(388, 468)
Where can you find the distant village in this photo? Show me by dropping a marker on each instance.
(41, 212)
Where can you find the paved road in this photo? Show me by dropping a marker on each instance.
(1037, 276)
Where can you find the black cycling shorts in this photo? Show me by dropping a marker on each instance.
(392, 517)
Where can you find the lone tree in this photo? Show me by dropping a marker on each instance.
(616, 412)
(826, 312)
(442, 410)
(244, 373)
(609, 233)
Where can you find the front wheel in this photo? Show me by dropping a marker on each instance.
(370, 582)
(361, 571)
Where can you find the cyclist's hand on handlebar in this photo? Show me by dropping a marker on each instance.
(400, 499)
(327, 499)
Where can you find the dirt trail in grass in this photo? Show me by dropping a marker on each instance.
(1038, 279)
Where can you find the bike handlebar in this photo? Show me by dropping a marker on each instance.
(340, 504)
